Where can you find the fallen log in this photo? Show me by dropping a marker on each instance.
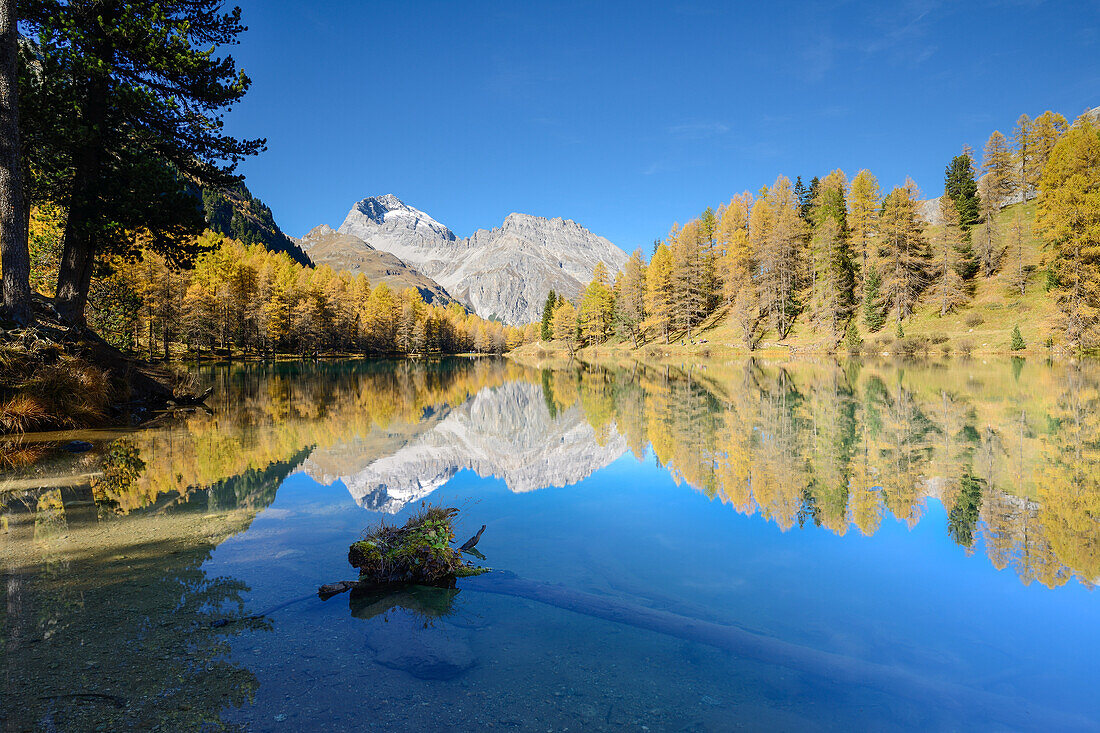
(193, 400)
(770, 650)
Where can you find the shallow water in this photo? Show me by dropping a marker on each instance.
(806, 545)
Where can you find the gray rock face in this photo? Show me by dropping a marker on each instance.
(387, 223)
(506, 432)
(504, 272)
(928, 211)
(342, 251)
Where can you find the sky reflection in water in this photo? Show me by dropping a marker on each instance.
(929, 530)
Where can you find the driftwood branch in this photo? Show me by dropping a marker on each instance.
(472, 542)
(328, 590)
(190, 400)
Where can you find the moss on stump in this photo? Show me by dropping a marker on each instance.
(419, 552)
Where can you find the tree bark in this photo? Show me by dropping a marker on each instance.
(74, 276)
(14, 252)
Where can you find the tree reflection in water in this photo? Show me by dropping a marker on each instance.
(106, 598)
(112, 624)
(1013, 455)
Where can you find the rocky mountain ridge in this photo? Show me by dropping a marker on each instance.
(504, 272)
(341, 251)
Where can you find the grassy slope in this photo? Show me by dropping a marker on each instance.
(994, 302)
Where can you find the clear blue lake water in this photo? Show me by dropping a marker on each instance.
(813, 545)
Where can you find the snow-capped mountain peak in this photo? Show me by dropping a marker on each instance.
(388, 209)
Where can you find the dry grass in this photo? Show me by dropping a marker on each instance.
(15, 455)
(43, 388)
(22, 413)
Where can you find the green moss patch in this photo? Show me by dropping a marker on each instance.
(418, 552)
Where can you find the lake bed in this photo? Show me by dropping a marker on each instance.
(901, 546)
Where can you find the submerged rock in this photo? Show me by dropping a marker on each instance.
(77, 446)
(425, 653)
(425, 656)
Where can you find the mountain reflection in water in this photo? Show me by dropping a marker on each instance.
(108, 554)
(1013, 454)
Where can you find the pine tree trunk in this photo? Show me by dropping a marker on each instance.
(74, 275)
(14, 253)
(78, 252)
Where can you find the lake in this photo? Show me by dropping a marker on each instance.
(807, 545)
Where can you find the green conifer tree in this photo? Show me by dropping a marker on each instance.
(547, 331)
(960, 187)
(874, 314)
(1017, 339)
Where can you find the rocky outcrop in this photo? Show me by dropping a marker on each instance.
(929, 211)
(389, 224)
(506, 432)
(504, 272)
(507, 271)
(342, 251)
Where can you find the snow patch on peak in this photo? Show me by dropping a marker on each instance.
(385, 210)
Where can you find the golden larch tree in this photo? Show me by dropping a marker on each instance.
(905, 252)
(997, 167)
(1068, 220)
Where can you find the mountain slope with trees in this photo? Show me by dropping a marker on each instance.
(237, 214)
(1011, 262)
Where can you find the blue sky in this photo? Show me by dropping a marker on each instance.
(627, 116)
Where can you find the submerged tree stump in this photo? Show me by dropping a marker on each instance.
(419, 552)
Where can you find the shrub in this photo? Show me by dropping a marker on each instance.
(913, 345)
(974, 319)
(1050, 281)
(965, 347)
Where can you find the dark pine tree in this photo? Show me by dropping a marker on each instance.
(839, 261)
(800, 194)
(141, 129)
(960, 186)
(812, 191)
(548, 316)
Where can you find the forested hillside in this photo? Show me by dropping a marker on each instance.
(237, 214)
(238, 298)
(1012, 262)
